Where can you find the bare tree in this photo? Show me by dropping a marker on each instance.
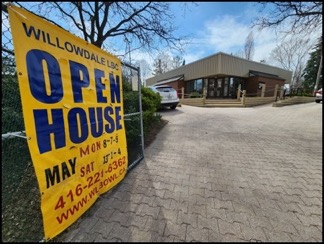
(177, 61)
(292, 55)
(146, 25)
(249, 46)
(162, 63)
(157, 64)
(165, 62)
(144, 67)
(239, 54)
(303, 17)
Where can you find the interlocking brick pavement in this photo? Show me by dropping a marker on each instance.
(219, 174)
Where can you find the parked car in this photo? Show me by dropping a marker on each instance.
(169, 96)
(318, 96)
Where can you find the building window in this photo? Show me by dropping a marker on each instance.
(195, 86)
(239, 81)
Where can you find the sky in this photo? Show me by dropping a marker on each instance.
(214, 27)
(221, 27)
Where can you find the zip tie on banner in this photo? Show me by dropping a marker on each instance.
(132, 114)
(9, 135)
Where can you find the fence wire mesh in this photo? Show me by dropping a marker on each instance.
(21, 213)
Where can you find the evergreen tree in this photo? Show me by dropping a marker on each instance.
(312, 66)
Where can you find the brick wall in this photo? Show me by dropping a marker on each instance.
(252, 84)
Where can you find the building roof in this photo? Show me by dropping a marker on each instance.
(180, 77)
(221, 64)
(263, 74)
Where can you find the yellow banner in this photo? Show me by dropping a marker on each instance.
(72, 102)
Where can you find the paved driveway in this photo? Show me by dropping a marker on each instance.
(219, 174)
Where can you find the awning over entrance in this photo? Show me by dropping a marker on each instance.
(258, 73)
(170, 80)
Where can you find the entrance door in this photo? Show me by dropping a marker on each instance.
(215, 88)
(219, 87)
(211, 88)
(223, 87)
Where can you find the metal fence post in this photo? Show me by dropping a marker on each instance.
(140, 106)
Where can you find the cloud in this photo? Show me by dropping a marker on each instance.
(194, 56)
(226, 34)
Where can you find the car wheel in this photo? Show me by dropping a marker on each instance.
(173, 106)
(317, 101)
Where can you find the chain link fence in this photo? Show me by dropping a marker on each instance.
(21, 213)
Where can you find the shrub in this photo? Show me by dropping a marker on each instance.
(195, 95)
(150, 103)
(150, 100)
(12, 115)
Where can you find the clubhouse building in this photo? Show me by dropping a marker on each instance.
(221, 75)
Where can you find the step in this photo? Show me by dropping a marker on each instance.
(224, 105)
(223, 101)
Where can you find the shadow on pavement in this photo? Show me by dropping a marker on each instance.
(170, 111)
